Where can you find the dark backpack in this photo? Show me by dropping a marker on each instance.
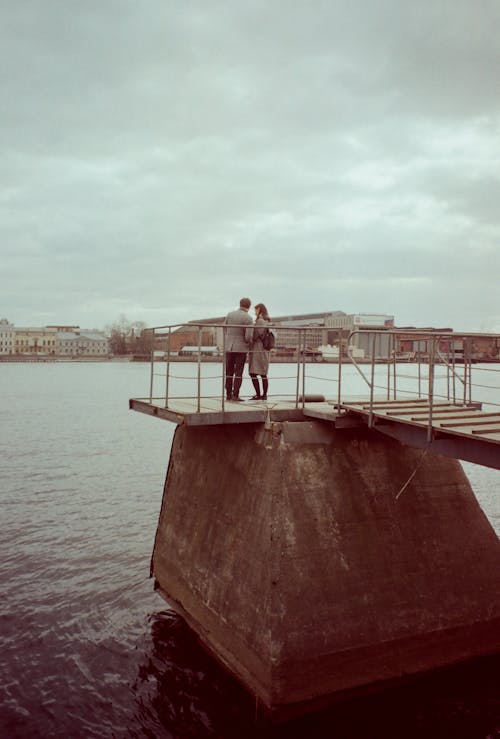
(268, 339)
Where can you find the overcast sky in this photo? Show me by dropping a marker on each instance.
(161, 159)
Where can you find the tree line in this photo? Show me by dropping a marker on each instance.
(126, 337)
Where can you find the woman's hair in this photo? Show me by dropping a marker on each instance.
(262, 311)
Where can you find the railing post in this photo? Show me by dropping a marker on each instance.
(394, 367)
(431, 389)
(467, 369)
(167, 381)
(304, 368)
(470, 371)
(199, 370)
(453, 362)
(372, 381)
(448, 370)
(419, 354)
(152, 367)
(297, 385)
(223, 368)
(339, 369)
(389, 346)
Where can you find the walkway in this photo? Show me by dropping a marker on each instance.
(437, 413)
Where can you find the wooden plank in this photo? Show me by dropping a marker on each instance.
(415, 414)
(477, 414)
(486, 431)
(473, 416)
(408, 410)
(438, 419)
(469, 421)
(407, 401)
(413, 407)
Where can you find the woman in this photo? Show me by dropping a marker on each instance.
(259, 357)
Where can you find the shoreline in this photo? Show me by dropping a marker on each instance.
(11, 359)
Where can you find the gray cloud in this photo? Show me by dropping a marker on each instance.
(162, 160)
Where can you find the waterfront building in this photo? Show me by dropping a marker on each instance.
(205, 351)
(36, 340)
(288, 337)
(327, 328)
(482, 347)
(349, 324)
(189, 335)
(53, 341)
(7, 337)
(65, 328)
(82, 343)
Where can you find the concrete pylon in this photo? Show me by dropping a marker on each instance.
(287, 552)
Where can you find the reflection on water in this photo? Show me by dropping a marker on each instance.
(87, 648)
(194, 697)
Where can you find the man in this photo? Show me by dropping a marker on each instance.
(238, 339)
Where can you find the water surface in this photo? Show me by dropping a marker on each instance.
(87, 649)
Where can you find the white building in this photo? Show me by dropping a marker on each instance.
(82, 343)
(308, 331)
(7, 337)
(353, 325)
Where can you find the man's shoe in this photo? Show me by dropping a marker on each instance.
(256, 397)
(237, 399)
(263, 397)
(229, 397)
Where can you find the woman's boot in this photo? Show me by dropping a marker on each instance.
(265, 385)
(255, 383)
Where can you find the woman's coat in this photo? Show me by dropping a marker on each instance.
(259, 358)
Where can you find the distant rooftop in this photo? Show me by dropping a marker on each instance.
(276, 319)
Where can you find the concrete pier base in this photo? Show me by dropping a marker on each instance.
(286, 550)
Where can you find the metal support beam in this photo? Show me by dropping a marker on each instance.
(466, 449)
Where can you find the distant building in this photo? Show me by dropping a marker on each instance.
(65, 328)
(7, 337)
(205, 351)
(36, 340)
(352, 325)
(483, 347)
(290, 337)
(65, 341)
(323, 329)
(82, 343)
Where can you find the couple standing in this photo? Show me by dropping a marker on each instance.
(242, 335)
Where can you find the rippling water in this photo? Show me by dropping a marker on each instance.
(87, 649)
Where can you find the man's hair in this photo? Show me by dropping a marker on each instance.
(245, 303)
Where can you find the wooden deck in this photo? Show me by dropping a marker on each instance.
(466, 420)
(459, 430)
(453, 418)
(212, 412)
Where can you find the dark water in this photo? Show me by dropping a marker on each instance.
(87, 649)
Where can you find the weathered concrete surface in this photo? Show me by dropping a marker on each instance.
(300, 570)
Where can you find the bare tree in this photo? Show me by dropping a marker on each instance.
(127, 337)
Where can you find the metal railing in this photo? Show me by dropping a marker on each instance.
(447, 369)
(300, 354)
(391, 363)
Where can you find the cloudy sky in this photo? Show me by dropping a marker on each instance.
(161, 159)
